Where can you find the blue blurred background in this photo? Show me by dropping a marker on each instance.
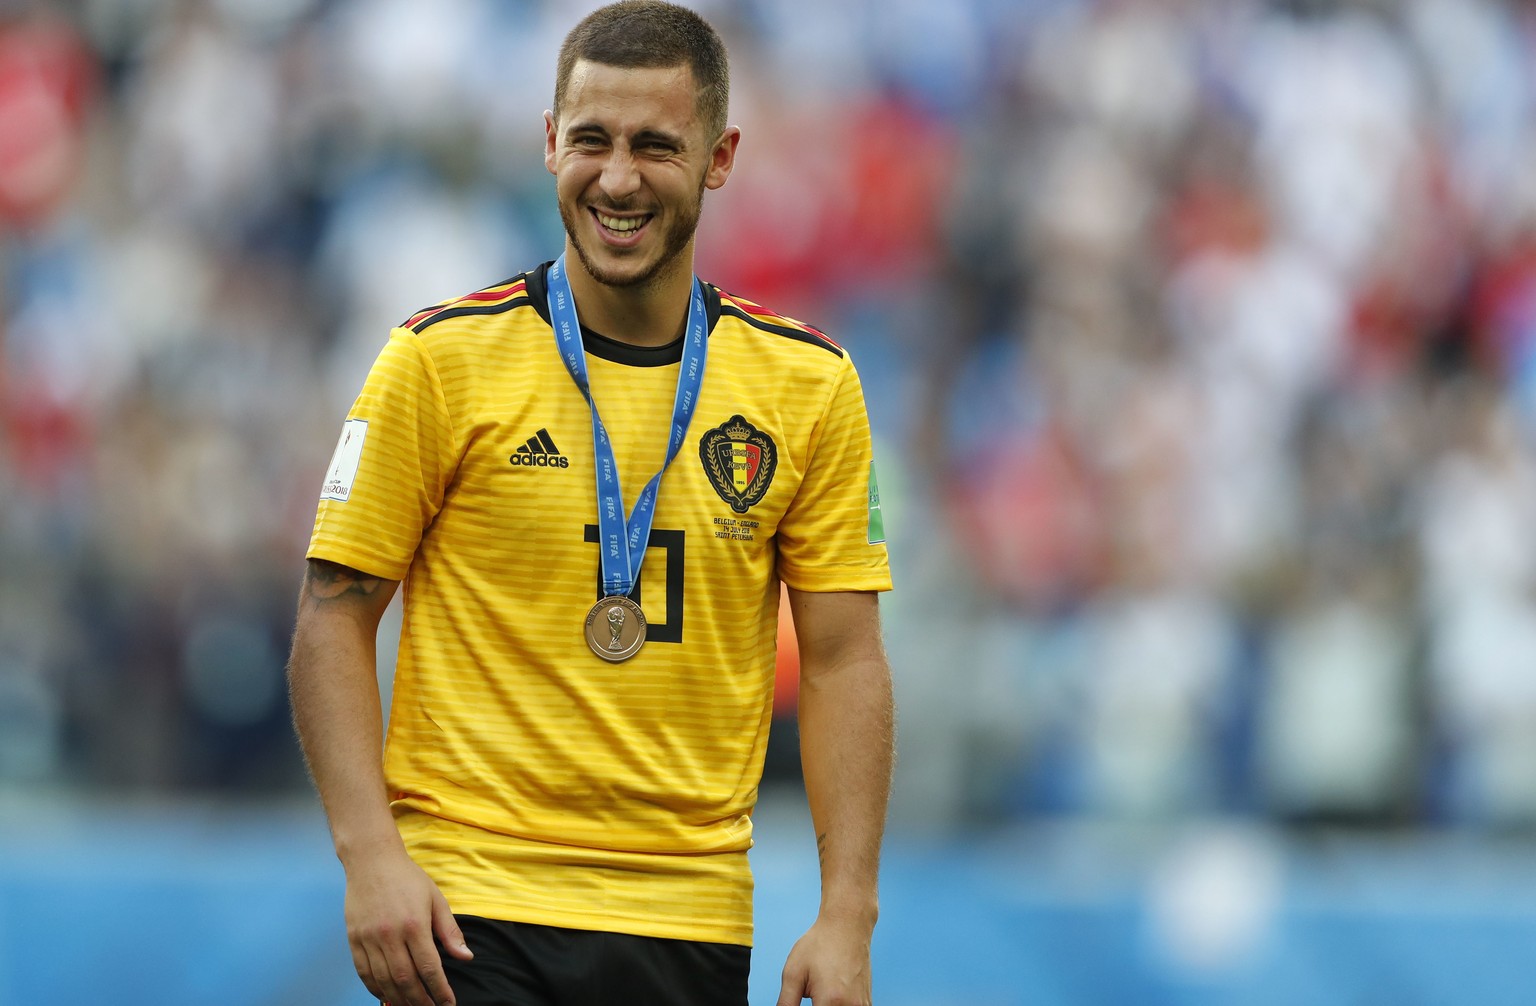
(1200, 345)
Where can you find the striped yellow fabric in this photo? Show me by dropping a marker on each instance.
(532, 780)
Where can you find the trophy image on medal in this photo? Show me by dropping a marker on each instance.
(615, 627)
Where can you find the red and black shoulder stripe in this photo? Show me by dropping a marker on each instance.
(765, 320)
(492, 300)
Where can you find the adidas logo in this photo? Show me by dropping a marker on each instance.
(540, 452)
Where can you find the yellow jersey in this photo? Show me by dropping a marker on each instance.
(534, 781)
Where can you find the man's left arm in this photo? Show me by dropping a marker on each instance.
(847, 742)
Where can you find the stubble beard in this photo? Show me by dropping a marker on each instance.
(678, 235)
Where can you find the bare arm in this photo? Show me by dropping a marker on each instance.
(393, 908)
(847, 731)
(332, 679)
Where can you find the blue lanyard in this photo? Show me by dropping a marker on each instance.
(623, 542)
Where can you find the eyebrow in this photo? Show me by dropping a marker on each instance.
(659, 136)
(648, 135)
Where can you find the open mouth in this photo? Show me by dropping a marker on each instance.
(621, 228)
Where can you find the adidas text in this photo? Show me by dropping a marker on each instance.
(541, 460)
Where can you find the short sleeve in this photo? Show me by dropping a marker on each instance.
(830, 538)
(391, 466)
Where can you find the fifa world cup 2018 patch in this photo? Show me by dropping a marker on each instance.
(739, 459)
(876, 518)
(349, 453)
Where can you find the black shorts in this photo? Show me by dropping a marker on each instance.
(520, 964)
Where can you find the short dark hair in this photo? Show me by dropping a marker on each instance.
(637, 34)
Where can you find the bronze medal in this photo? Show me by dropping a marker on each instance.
(615, 628)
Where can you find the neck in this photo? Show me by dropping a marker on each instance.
(652, 313)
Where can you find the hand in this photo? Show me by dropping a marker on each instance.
(393, 910)
(829, 965)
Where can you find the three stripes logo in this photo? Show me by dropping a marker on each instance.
(540, 452)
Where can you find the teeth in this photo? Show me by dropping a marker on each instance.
(622, 225)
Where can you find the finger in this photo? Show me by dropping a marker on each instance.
(377, 976)
(446, 927)
(364, 970)
(404, 986)
(792, 989)
(428, 967)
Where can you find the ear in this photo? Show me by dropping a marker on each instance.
(722, 158)
(549, 141)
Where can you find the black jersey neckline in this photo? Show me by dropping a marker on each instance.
(604, 348)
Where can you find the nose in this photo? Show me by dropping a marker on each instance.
(621, 175)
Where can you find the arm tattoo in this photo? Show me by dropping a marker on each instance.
(821, 848)
(328, 581)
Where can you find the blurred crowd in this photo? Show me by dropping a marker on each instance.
(1199, 338)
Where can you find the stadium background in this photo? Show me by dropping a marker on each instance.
(1200, 344)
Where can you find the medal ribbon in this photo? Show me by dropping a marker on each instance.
(622, 542)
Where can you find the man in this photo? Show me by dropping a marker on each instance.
(591, 518)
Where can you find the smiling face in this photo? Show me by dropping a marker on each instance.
(631, 161)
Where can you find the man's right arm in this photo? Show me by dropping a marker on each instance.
(393, 909)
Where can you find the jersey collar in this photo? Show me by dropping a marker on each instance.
(613, 350)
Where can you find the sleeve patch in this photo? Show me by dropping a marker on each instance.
(343, 469)
(876, 519)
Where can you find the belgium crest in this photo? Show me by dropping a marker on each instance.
(739, 459)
